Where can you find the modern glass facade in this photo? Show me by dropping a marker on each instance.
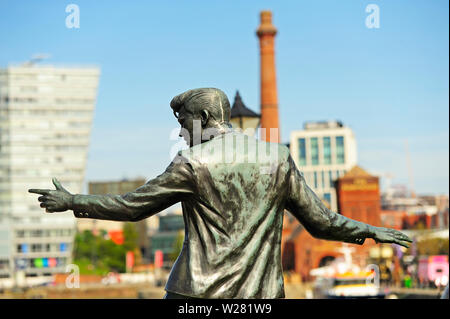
(340, 152)
(323, 179)
(321, 155)
(314, 151)
(315, 180)
(330, 178)
(326, 150)
(164, 240)
(301, 151)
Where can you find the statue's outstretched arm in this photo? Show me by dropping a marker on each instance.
(322, 223)
(174, 185)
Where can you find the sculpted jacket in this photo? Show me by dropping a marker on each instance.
(233, 190)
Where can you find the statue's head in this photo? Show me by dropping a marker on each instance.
(202, 113)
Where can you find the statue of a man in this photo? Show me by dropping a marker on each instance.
(233, 201)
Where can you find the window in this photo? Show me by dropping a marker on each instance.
(330, 178)
(66, 232)
(62, 247)
(340, 152)
(314, 151)
(301, 151)
(326, 150)
(315, 180)
(323, 179)
(22, 248)
(36, 248)
(327, 198)
(36, 233)
(4, 263)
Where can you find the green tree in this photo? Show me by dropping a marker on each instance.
(97, 255)
(433, 246)
(100, 255)
(177, 246)
(130, 243)
(130, 234)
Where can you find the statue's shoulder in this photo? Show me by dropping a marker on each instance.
(283, 150)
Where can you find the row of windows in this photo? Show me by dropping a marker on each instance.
(25, 263)
(34, 77)
(41, 88)
(4, 264)
(7, 99)
(49, 124)
(44, 233)
(324, 179)
(38, 248)
(50, 77)
(26, 149)
(39, 172)
(324, 156)
(163, 243)
(46, 112)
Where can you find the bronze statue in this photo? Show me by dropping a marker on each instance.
(233, 189)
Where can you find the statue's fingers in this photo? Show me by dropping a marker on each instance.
(43, 205)
(45, 200)
(51, 204)
(39, 191)
(401, 243)
(405, 238)
(401, 236)
(57, 183)
(50, 208)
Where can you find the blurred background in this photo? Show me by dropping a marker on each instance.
(357, 89)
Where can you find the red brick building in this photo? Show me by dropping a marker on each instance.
(359, 196)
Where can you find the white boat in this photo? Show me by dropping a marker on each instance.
(343, 279)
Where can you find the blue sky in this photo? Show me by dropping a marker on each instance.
(388, 84)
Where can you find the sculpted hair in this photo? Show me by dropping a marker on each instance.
(211, 99)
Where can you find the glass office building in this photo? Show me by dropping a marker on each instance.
(324, 151)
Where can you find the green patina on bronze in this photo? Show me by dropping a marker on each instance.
(233, 189)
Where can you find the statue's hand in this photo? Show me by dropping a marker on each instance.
(58, 200)
(388, 235)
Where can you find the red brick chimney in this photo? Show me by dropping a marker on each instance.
(269, 101)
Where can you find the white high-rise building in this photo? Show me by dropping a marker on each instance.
(323, 152)
(46, 115)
